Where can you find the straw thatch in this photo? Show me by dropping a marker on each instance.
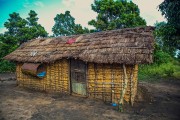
(128, 46)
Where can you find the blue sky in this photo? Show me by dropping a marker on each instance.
(80, 9)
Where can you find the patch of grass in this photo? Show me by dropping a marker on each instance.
(177, 74)
(155, 72)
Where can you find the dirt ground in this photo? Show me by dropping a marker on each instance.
(155, 101)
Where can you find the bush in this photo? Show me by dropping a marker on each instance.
(176, 74)
(156, 71)
(6, 66)
(161, 57)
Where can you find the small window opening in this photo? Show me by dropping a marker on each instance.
(34, 69)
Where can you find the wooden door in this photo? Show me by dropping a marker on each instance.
(78, 77)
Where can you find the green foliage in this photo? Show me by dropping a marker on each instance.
(164, 66)
(176, 74)
(6, 66)
(116, 14)
(34, 30)
(155, 71)
(171, 10)
(170, 32)
(166, 39)
(19, 30)
(23, 30)
(160, 56)
(32, 19)
(79, 29)
(65, 25)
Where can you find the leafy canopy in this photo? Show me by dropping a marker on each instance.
(116, 14)
(65, 25)
(23, 29)
(19, 30)
(171, 10)
(35, 29)
(170, 31)
(14, 24)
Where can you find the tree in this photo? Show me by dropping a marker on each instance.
(165, 37)
(23, 30)
(171, 10)
(7, 45)
(116, 14)
(78, 29)
(10, 39)
(32, 19)
(35, 29)
(19, 30)
(14, 24)
(170, 32)
(65, 25)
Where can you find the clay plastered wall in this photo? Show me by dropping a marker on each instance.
(105, 81)
(56, 79)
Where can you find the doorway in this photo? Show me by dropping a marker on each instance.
(78, 77)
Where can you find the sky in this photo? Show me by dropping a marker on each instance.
(79, 9)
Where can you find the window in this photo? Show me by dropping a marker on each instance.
(34, 69)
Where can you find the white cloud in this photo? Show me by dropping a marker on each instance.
(68, 3)
(79, 9)
(149, 10)
(39, 4)
(27, 4)
(2, 30)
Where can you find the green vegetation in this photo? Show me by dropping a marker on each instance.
(170, 32)
(6, 66)
(164, 67)
(19, 30)
(65, 25)
(116, 14)
(167, 37)
(155, 72)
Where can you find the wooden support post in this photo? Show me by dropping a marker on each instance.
(132, 86)
(103, 89)
(95, 84)
(69, 76)
(87, 79)
(112, 84)
(123, 89)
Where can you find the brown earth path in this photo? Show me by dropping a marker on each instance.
(156, 101)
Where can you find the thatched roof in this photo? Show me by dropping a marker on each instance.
(129, 46)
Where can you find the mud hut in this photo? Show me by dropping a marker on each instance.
(102, 65)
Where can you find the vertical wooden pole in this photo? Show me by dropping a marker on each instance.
(17, 74)
(69, 75)
(131, 88)
(124, 89)
(112, 83)
(87, 80)
(103, 89)
(95, 84)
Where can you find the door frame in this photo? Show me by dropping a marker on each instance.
(70, 80)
